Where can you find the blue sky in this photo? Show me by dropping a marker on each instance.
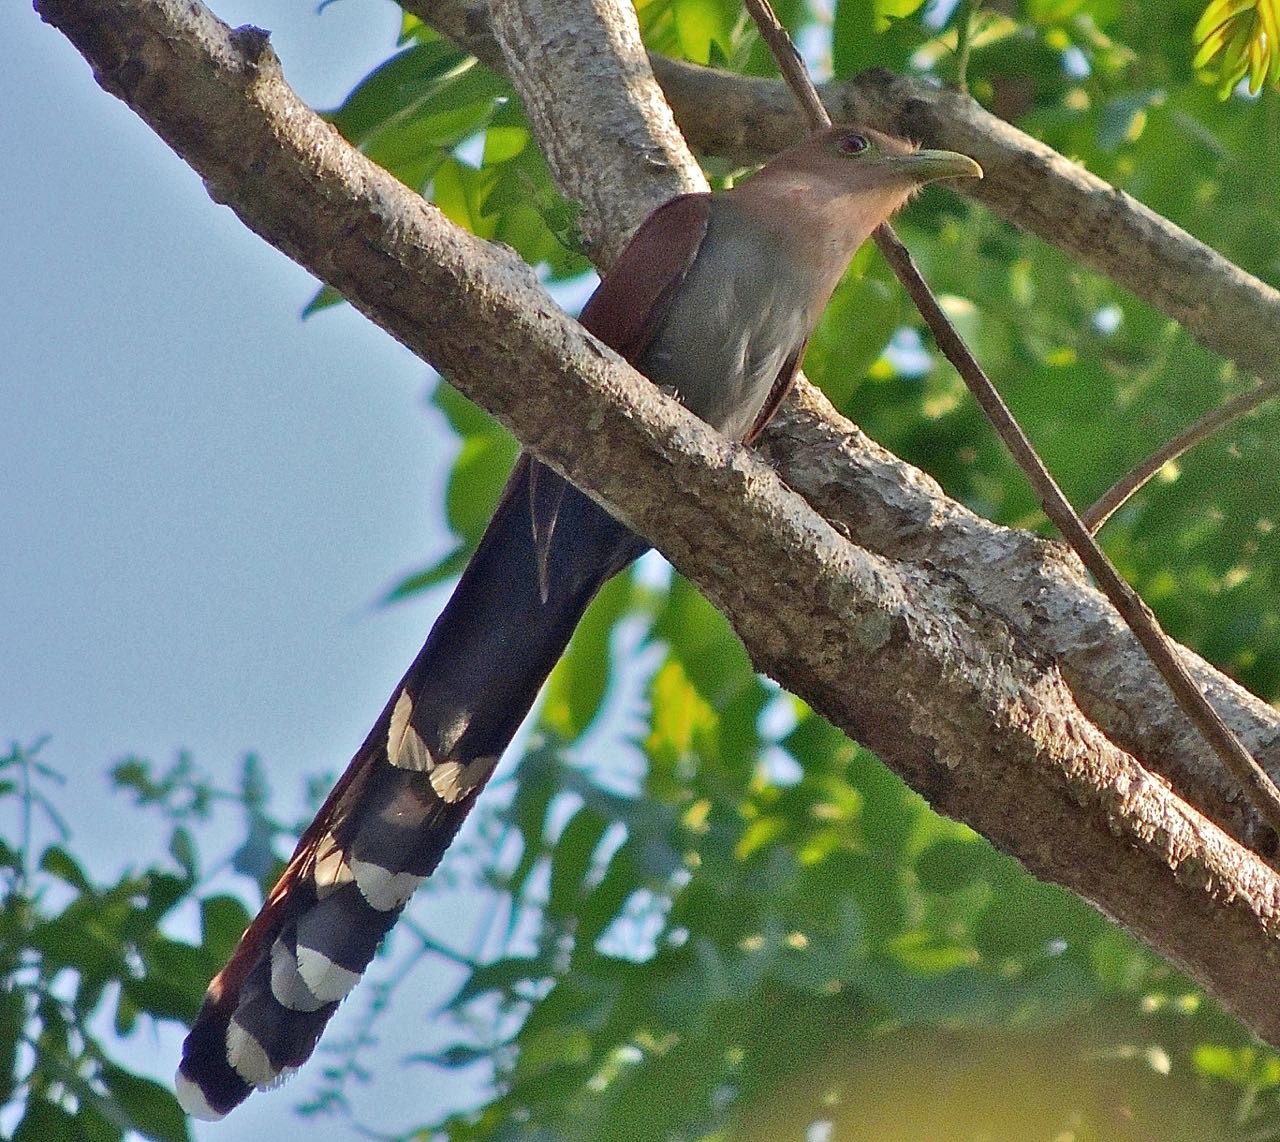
(203, 496)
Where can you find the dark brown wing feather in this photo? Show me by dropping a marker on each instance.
(632, 298)
(625, 312)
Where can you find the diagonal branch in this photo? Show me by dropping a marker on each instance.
(897, 650)
(571, 37)
(1253, 779)
(1116, 496)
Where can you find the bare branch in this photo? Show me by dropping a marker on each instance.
(1040, 590)
(1252, 777)
(789, 62)
(1254, 780)
(1214, 420)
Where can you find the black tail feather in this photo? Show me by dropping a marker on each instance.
(400, 803)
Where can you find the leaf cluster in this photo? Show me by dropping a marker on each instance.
(84, 964)
(1242, 39)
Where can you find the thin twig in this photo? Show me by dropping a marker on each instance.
(1160, 649)
(789, 61)
(964, 41)
(1118, 494)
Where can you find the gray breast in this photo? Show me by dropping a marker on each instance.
(739, 314)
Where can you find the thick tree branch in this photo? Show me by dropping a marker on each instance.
(899, 651)
(571, 36)
(565, 25)
(593, 103)
(1246, 772)
(1040, 590)
(745, 119)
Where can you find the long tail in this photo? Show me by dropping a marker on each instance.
(408, 789)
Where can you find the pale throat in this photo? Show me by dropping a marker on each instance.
(818, 220)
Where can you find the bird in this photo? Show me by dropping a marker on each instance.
(714, 299)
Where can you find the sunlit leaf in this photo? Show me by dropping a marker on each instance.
(1240, 38)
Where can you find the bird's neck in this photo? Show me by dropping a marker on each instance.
(806, 227)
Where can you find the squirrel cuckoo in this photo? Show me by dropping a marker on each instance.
(714, 298)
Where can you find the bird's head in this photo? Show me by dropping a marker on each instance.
(848, 179)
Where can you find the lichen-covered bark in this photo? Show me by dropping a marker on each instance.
(922, 658)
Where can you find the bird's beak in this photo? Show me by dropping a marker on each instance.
(929, 166)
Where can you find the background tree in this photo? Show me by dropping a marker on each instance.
(744, 924)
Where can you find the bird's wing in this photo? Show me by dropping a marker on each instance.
(632, 298)
(625, 313)
(778, 393)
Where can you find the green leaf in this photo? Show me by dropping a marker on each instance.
(1246, 35)
(1118, 962)
(174, 980)
(604, 903)
(854, 331)
(875, 33)
(536, 785)
(56, 861)
(396, 90)
(44, 1122)
(952, 865)
(449, 567)
(1247, 1066)
(571, 860)
(12, 1021)
(501, 976)
(453, 1057)
(924, 956)
(223, 920)
(482, 466)
(325, 298)
(10, 857)
(681, 717)
(701, 23)
(151, 1108)
(182, 848)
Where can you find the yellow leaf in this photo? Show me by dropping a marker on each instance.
(680, 713)
(1217, 15)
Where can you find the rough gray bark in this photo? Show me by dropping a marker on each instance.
(587, 89)
(745, 119)
(897, 648)
(1038, 587)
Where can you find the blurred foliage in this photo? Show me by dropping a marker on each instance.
(731, 922)
(83, 964)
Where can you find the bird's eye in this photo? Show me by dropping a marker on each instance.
(852, 144)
